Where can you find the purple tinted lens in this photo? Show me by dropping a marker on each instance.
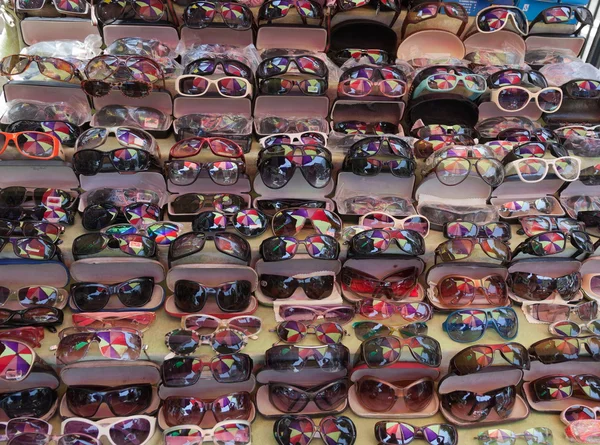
(29, 425)
(76, 426)
(595, 285)
(277, 140)
(513, 99)
(550, 100)
(418, 224)
(132, 431)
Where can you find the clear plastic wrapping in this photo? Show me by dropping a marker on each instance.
(351, 201)
(77, 111)
(67, 49)
(558, 74)
(585, 147)
(147, 118)
(266, 125)
(213, 123)
(547, 56)
(153, 49)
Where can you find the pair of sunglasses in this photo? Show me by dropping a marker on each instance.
(180, 372)
(378, 241)
(221, 433)
(470, 406)
(380, 396)
(531, 436)
(291, 399)
(388, 432)
(457, 290)
(222, 341)
(378, 352)
(93, 297)
(553, 387)
(192, 296)
(538, 287)
(190, 243)
(248, 222)
(473, 359)
(397, 285)
(366, 80)
(469, 325)
(201, 14)
(279, 248)
(457, 249)
(193, 203)
(315, 286)
(295, 331)
(331, 430)
(560, 350)
(190, 410)
(121, 401)
(113, 344)
(364, 330)
(331, 358)
(382, 310)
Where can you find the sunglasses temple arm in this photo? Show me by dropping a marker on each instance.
(396, 16)
(172, 13)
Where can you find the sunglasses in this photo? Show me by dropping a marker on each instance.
(461, 290)
(162, 233)
(192, 296)
(138, 214)
(359, 205)
(113, 344)
(366, 128)
(189, 410)
(579, 413)
(294, 150)
(377, 241)
(274, 125)
(380, 396)
(474, 84)
(330, 358)
(537, 287)
(371, 146)
(304, 137)
(192, 85)
(223, 341)
(218, 146)
(77, 7)
(461, 248)
(65, 132)
(292, 332)
(50, 67)
(291, 222)
(109, 11)
(190, 243)
(46, 316)
(469, 325)
(400, 168)
(125, 137)
(396, 285)
(32, 144)
(564, 14)
(560, 350)
(122, 160)
(278, 9)
(512, 209)
(16, 196)
(279, 248)
(571, 131)
(193, 203)
(566, 168)
(516, 98)
(292, 399)
(206, 66)
(124, 67)
(382, 220)
(568, 328)
(378, 352)
(31, 229)
(465, 229)
(182, 173)
(425, 131)
(511, 76)
(426, 11)
(553, 387)
(278, 86)
(95, 243)
(470, 406)
(331, 430)
(131, 430)
(31, 402)
(359, 82)
(31, 248)
(21, 425)
(551, 243)
(130, 88)
(201, 14)
(225, 368)
(388, 432)
(249, 222)
(336, 314)
(140, 321)
(316, 286)
(375, 56)
(551, 312)
(122, 401)
(454, 170)
(496, 18)
(277, 171)
(534, 225)
(364, 330)
(382, 310)
(473, 359)
(532, 436)
(237, 432)
(93, 297)
(521, 135)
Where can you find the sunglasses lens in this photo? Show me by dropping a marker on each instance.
(298, 430)
(467, 325)
(233, 87)
(183, 342)
(567, 168)
(579, 412)
(513, 99)
(163, 233)
(291, 331)
(548, 243)
(96, 88)
(367, 329)
(228, 341)
(550, 99)
(584, 89)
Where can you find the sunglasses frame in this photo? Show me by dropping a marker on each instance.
(413, 17)
(214, 82)
(419, 433)
(489, 351)
(319, 313)
(512, 11)
(208, 434)
(218, 9)
(564, 342)
(411, 343)
(399, 391)
(240, 169)
(212, 362)
(317, 431)
(311, 394)
(104, 426)
(547, 162)
(554, 331)
(495, 98)
(489, 321)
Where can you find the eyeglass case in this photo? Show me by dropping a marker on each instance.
(549, 267)
(141, 181)
(164, 33)
(211, 104)
(574, 111)
(216, 34)
(110, 374)
(211, 274)
(482, 382)
(299, 265)
(574, 189)
(43, 29)
(501, 41)
(17, 273)
(370, 112)
(513, 189)
(270, 411)
(291, 37)
(405, 372)
(111, 270)
(568, 44)
(292, 107)
(362, 34)
(442, 108)
(431, 43)
(538, 370)
(589, 269)
(381, 268)
(475, 271)
(383, 184)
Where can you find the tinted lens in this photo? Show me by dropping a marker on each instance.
(233, 87)
(182, 341)
(513, 99)
(579, 412)
(96, 88)
(136, 89)
(189, 296)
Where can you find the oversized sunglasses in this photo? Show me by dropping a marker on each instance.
(454, 170)
(16, 196)
(305, 64)
(389, 432)
(534, 225)
(229, 431)
(109, 11)
(563, 14)
(316, 286)
(552, 243)
(192, 296)
(576, 413)
(291, 399)
(138, 214)
(189, 410)
(559, 387)
(456, 290)
(471, 406)
(201, 14)
(331, 430)
(225, 368)
(512, 76)
(31, 248)
(277, 171)
(341, 314)
(32, 144)
(457, 249)
(364, 330)
(568, 328)
(89, 162)
(51, 67)
(95, 243)
(108, 67)
(121, 401)
(113, 344)
(20, 425)
(278, 248)
(278, 9)
(551, 312)
(193, 203)
(206, 66)
(516, 98)
(330, 358)
(560, 350)
(129, 88)
(124, 136)
(396, 285)
(305, 137)
(430, 10)
(382, 220)
(474, 84)
(473, 359)
(371, 146)
(531, 436)
(513, 209)
(33, 296)
(248, 222)
(77, 7)
(361, 84)
(181, 172)
(137, 429)
(219, 146)
(469, 325)
(367, 128)
(223, 341)
(40, 213)
(64, 131)
(382, 310)
(291, 222)
(31, 229)
(93, 297)
(566, 168)
(496, 18)
(380, 396)
(30, 402)
(378, 241)
(230, 244)
(378, 352)
(162, 233)
(278, 86)
(581, 89)
(465, 229)
(46, 316)
(192, 85)
(207, 324)
(400, 167)
(293, 332)
(140, 321)
(537, 287)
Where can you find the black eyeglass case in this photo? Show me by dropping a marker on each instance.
(362, 34)
(442, 108)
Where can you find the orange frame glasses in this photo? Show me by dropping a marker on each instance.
(32, 144)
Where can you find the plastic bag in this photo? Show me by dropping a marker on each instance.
(547, 56)
(558, 74)
(153, 49)
(213, 123)
(266, 125)
(67, 49)
(146, 118)
(77, 111)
